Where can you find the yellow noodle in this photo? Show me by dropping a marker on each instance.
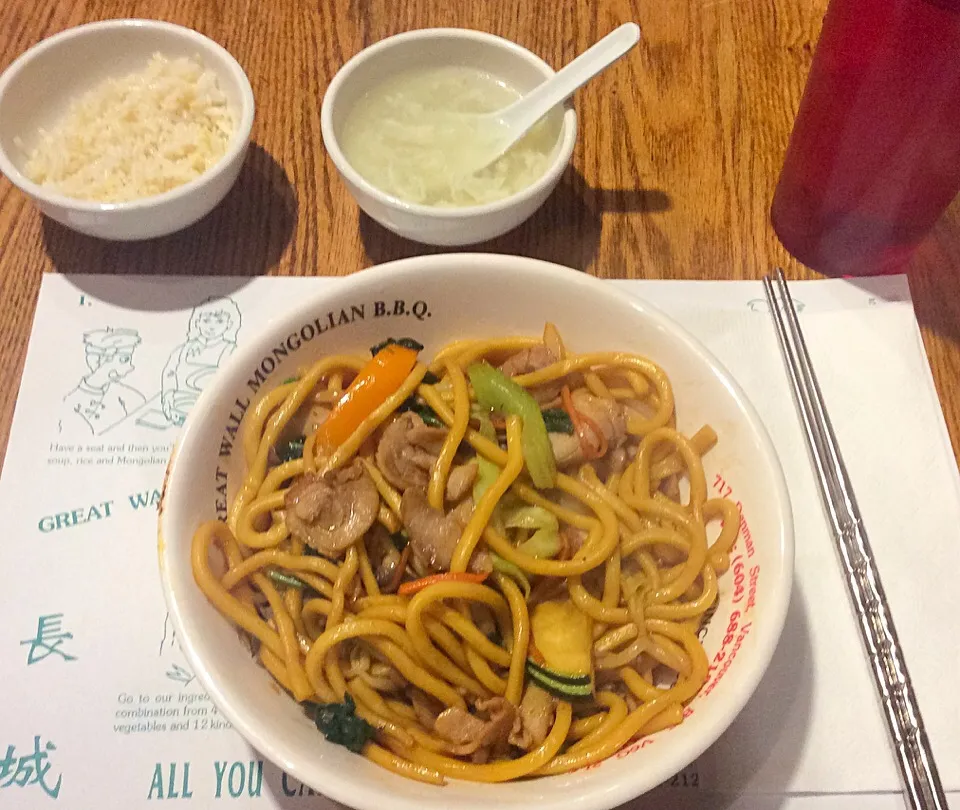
(473, 636)
(256, 415)
(467, 351)
(288, 639)
(390, 496)
(669, 717)
(309, 455)
(616, 714)
(280, 559)
(484, 673)
(389, 612)
(276, 667)
(446, 640)
(293, 602)
(250, 536)
(401, 766)
(344, 578)
(641, 688)
(669, 654)
(279, 474)
(388, 519)
(521, 638)
(700, 442)
(614, 638)
(240, 614)
(484, 509)
(630, 518)
(461, 421)
(366, 571)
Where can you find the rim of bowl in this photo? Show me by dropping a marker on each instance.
(567, 139)
(238, 142)
(343, 787)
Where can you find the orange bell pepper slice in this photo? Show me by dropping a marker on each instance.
(377, 380)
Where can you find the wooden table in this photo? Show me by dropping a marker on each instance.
(674, 170)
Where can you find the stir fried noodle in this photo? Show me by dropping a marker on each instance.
(489, 568)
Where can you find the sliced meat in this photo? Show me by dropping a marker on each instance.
(573, 539)
(534, 718)
(547, 589)
(609, 416)
(528, 360)
(461, 729)
(427, 707)
(307, 419)
(460, 480)
(332, 513)
(407, 450)
(484, 619)
(617, 461)
(462, 512)
(467, 733)
(533, 359)
(434, 535)
(670, 486)
(383, 554)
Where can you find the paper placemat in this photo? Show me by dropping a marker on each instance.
(101, 710)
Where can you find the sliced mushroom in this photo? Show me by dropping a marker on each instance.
(332, 513)
(407, 450)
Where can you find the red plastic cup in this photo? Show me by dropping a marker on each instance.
(874, 157)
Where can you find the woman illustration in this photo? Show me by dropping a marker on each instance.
(211, 338)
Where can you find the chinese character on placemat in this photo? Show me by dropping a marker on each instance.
(48, 640)
(29, 769)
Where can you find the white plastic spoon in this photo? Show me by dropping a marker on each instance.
(500, 130)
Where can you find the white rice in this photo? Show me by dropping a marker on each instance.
(137, 135)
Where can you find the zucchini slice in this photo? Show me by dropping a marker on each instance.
(561, 649)
(568, 688)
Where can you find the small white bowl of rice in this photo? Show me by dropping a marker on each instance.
(392, 123)
(125, 129)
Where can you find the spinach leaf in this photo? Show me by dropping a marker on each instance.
(291, 450)
(341, 725)
(407, 343)
(557, 420)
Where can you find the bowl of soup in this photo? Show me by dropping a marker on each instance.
(396, 124)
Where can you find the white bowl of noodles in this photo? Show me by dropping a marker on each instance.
(438, 300)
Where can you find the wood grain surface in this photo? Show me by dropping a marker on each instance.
(679, 150)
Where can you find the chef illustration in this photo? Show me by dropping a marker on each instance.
(211, 338)
(101, 400)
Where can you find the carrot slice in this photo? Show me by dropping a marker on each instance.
(419, 584)
(375, 382)
(581, 424)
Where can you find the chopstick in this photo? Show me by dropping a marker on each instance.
(918, 770)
